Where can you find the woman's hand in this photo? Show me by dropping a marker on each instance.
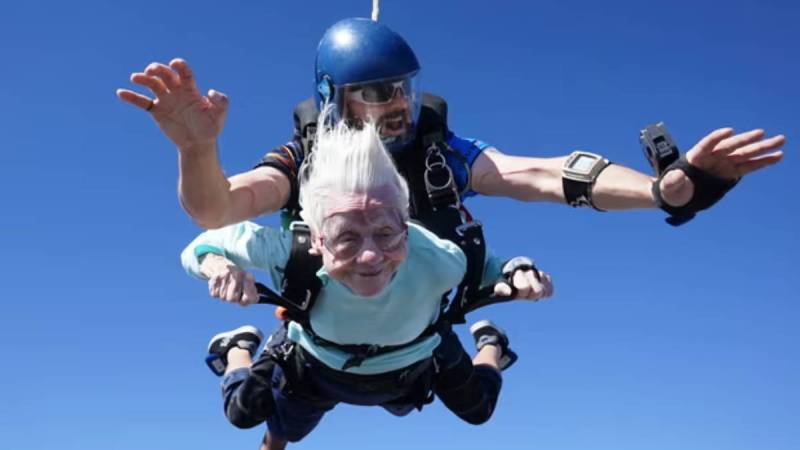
(530, 283)
(227, 282)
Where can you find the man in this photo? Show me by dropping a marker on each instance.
(370, 73)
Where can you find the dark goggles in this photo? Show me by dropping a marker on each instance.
(379, 92)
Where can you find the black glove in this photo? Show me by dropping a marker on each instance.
(708, 190)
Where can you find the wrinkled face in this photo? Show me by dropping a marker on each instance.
(392, 117)
(362, 243)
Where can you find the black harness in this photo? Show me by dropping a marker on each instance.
(435, 203)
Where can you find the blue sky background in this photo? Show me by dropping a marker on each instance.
(657, 338)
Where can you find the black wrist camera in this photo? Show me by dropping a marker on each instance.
(659, 147)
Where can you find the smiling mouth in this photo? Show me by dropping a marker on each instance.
(370, 274)
(394, 123)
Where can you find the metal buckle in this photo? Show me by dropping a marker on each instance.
(466, 227)
(305, 303)
(284, 350)
(436, 166)
(435, 152)
(435, 160)
(301, 306)
(299, 225)
(446, 190)
(445, 193)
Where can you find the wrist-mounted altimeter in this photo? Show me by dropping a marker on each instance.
(578, 175)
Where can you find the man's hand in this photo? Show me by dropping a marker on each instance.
(190, 120)
(228, 282)
(530, 285)
(724, 155)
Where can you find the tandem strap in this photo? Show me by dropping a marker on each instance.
(360, 352)
(449, 219)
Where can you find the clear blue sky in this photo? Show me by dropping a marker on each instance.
(657, 338)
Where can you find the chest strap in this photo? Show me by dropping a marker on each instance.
(361, 352)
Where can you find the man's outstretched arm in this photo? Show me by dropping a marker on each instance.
(720, 153)
(193, 122)
(214, 201)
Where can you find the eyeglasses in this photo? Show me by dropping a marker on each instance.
(380, 92)
(348, 244)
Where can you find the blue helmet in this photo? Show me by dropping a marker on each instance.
(370, 63)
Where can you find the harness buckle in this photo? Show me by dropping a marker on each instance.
(468, 228)
(433, 151)
(436, 183)
(299, 225)
(353, 361)
(439, 181)
(441, 187)
(358, 358)
(281, 353)
(307, 295)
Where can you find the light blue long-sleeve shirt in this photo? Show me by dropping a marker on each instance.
(399, 314)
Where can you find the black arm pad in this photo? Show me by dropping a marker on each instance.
(708, 190)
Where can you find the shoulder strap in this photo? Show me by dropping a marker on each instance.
(412, 162)
(305, 122)
(436, 202)
(433, 116)
(300, 279)
(300, 285)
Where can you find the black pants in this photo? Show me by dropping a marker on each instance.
(291, 390)
(470, 392)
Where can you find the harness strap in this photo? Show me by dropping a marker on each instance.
(439, 181)
(300, 281)
(361, 352)
(470, 239)
(300, 285)
(441, 211)
(305, 122)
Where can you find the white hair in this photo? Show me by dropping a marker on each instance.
(347, 161)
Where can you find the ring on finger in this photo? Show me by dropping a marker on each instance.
(150, 105)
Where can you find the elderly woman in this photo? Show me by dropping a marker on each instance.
(382, 283)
